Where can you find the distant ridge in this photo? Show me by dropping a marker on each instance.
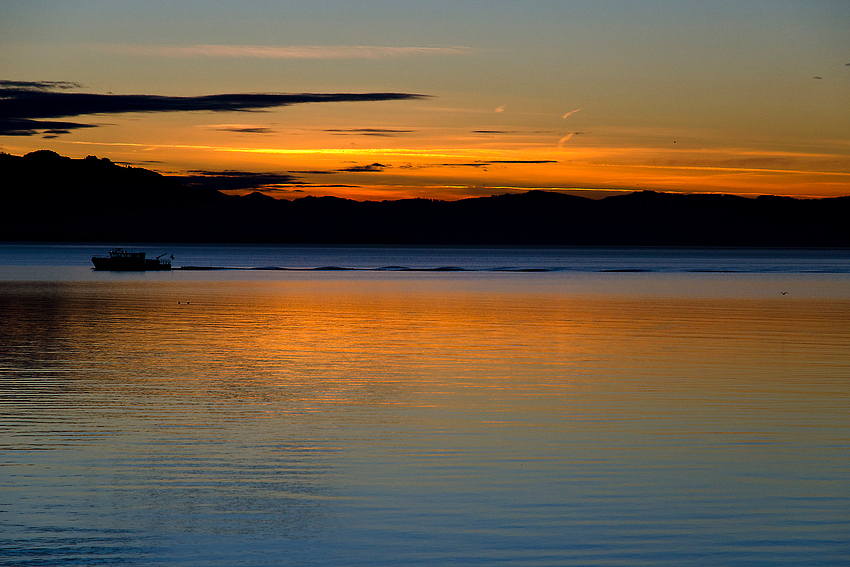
(47, 197)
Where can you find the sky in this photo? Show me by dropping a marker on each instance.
(439, 99)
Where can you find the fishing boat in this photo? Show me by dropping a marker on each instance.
(119, 260)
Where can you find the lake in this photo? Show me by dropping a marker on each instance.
(425, 406)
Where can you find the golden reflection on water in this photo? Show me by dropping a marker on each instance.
(390, 342)
(407, 400)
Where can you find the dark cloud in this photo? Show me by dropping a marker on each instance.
(373, 167)
(234, 180)
(247, 130)
(316, 171)
(34, 101)
(21, 103)
(379, 167)
(493, 132)
(368, 132)
(522, 161)
(39, 85)
(140, 162)
(432, 165)
(480, 163)
(329, 186)
(25, 127)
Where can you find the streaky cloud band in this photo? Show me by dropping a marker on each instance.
(230, 180)
(38, 85)
(22, 105)
(26, 127)
(282, 51)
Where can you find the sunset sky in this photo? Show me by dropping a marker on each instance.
(477, 97)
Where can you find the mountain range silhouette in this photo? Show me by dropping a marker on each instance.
(48, 197)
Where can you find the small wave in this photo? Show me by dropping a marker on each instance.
(524, 270)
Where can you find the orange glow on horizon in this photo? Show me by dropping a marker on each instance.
(430, 158)
(442, 101)
(454, 173)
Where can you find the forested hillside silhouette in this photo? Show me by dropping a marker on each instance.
(47, 197)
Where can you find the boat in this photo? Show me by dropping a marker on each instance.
(119, 260)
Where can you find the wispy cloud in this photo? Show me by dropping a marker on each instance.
(367, 131)
(230, 180)
(522, 161)
(483, 164)
(23, 105)
(240, 128)
(379, 167)
(282, 51)
(566, 138)
(39, 85)
(371, 168)
(500, 109)
(26, 127)
(571, 112)
(441, 165)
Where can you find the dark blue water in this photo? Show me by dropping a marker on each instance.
(693, 413)
(664, 260)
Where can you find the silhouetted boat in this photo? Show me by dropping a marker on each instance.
(119, 260)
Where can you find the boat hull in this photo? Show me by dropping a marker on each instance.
(113, 265)
(121, 261)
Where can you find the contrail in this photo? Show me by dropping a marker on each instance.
(565, 138)
(570, 112)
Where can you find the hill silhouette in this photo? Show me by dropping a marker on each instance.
(47, 197)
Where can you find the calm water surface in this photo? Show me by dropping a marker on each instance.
(687, 414)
